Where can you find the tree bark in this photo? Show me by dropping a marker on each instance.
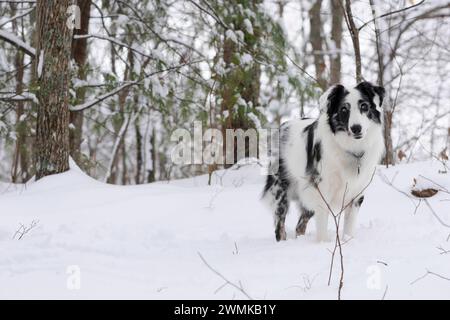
(20, 167)
(52, 73)
(316, 39)
(336, 36)
(139, 158)
(79, 54)
(389, 155)
(354, 33)
(152, 172)
(388, 111)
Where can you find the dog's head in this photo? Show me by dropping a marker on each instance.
(353, 112)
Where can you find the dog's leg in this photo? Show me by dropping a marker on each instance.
(305, 216)
(322, 224)
(281, 210)
(351, 214)
(276, 195)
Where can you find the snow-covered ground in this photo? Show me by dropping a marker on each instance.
(94, 240)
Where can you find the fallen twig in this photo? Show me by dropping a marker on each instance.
(23, 230)
(227, 282)
(430, 273)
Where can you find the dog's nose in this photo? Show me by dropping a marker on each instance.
(356, 129)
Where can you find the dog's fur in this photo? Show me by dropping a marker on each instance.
(335, 154)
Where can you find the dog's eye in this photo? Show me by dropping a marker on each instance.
(344, 109)
(364, 106)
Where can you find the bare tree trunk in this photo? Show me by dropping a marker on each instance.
(79, 54)
(20, 154)
(336, 36)
(139, 158)
(316, 40)
(19, 172)
(389, 155)
(124, 163)
(52, 74)
(152, 173)
(354, 33)
(120, 153)
(388, 111)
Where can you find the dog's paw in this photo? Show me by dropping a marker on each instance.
(280, 234)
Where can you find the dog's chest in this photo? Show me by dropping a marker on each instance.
(343, 176)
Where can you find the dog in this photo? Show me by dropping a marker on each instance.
(325, 165)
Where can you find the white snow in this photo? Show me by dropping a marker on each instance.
(159, 88)
(41, 60)
(229, 34)
(20, 97)
(248, 26)
(246, 59)
(143, 241)
(255, 120)
(15, 40)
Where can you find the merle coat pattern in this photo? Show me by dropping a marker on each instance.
(336, 154)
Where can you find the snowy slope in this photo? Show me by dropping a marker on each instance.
(143, 241)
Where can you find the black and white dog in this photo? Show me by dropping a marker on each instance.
(328, 162)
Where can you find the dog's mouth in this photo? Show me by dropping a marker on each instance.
(355, 136)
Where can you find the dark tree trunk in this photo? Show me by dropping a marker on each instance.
(336, 36)
(20, 162)
(354, 33)
(388, 113)
(52, 75)
(316, 40)
(79, 54)
(152, 173)
(139, 158)
(20, 167)
(389, 156)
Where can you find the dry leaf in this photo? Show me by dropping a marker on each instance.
(401, 155)
(425, 193)
(443, 155)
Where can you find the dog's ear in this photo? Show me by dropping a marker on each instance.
(332, 95)
(381, 93)
(371, 91)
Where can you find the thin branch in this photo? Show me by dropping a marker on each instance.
(17, 16)
(212, 15)
(228, 282)
(385, 293)
(15, 97)
(115, 41)
(443, 251)
(18, 1)
(18, 43)
(435, 214)
(430, 273)
(107, 95)
(390, 14)
(101, 98)
(441, 187)
(23, 230)
(337, 219)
